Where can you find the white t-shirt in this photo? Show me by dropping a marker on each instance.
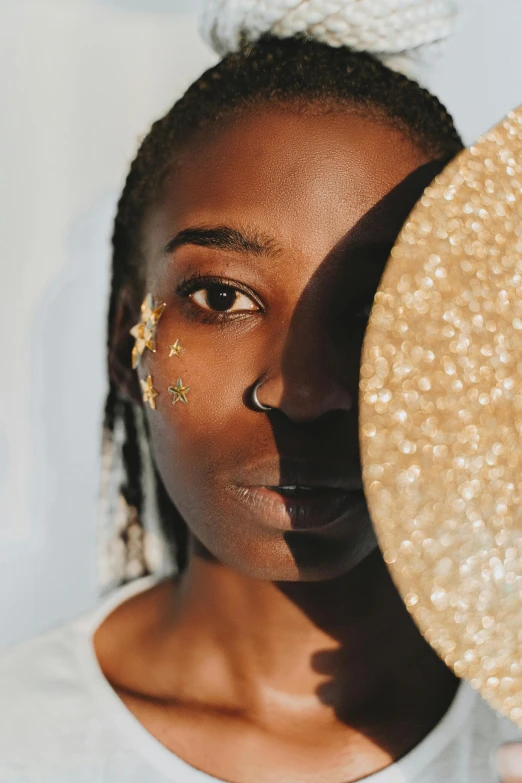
(61, 722)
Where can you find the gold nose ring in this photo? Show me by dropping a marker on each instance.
(255, 400)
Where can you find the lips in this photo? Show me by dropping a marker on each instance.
(300, 495)
(316, 473)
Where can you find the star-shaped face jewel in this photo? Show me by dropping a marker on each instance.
(149, 392)
(144, 332)
(179, 392)
(175, 349)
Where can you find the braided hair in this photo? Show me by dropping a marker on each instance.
(297, 72)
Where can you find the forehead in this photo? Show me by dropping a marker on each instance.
(307, 179)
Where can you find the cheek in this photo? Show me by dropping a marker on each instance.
(200, 446)
(196, 444)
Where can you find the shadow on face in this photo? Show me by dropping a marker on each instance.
(321, 385)
(267, 246)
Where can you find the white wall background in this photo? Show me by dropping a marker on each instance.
(81, 80)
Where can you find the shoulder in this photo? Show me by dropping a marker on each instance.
(487, 726)
(473, 739)
(45, 658)
(55, 716)
(483, 722)
(44, 697)
(460, 748)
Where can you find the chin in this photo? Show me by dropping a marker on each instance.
(320, 559)
(296, 556)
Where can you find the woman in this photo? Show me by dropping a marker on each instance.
(250, 237)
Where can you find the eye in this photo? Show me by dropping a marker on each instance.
(222, 298)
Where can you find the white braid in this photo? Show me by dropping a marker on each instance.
(402, 33)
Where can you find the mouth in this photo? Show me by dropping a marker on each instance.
(286, 494)
(301, 507)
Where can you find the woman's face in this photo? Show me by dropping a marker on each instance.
(267, 246)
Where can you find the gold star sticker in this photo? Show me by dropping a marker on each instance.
(148, 313)
(149, 392)
(144, 332)
(179, 392)
(175, 349)
(138, 332)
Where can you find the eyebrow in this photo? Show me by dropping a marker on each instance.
(250, 242)
(246, 241)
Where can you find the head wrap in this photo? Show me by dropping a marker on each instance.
(402, 33)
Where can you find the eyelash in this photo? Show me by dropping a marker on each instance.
(197, 281)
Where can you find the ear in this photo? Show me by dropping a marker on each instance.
(121, 343)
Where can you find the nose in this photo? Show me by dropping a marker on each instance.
(307, 378)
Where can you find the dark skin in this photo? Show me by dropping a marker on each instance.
(284, 651)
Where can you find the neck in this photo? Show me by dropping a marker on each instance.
(345, 643)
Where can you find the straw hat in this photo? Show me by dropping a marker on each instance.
(441, 415)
